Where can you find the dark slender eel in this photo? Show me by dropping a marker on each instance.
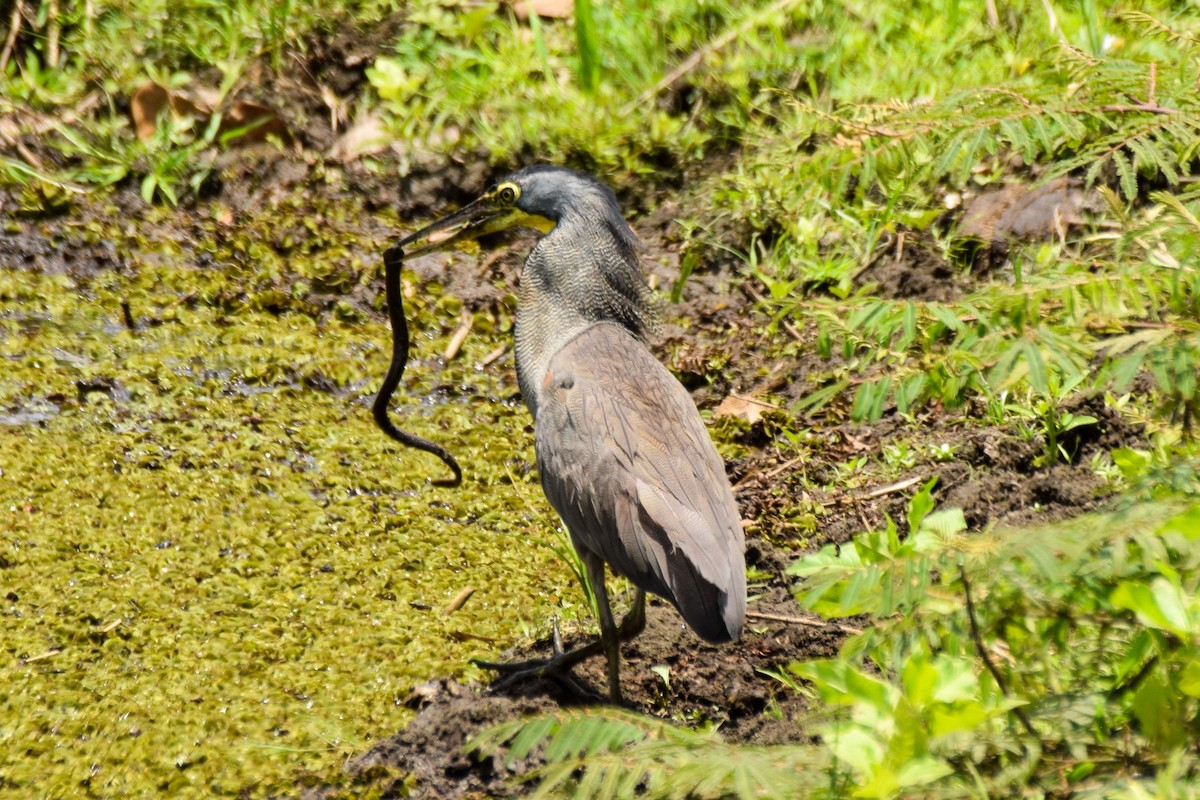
(393, 260)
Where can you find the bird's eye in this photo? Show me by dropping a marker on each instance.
(507, 195)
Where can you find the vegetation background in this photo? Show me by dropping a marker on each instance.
(930, 269)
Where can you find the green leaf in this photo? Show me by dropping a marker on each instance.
(1159, 712)
(946, 316)
(857, 747)
(530, 736)
(1126, 174)
(1071, 421)
(1174, 605)
(910, 325)
(1188, 679)
(1135, 657)
(1186, 524)
(843, 684)
(1038, 377)
(148, 184)
(589, 46)
(945, 523)
(910, 391)
(820, 398)
(956, 679)
(920, 505)
(1160, 605)
(1132, 463)
(922, 771)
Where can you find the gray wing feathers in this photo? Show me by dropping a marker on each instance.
(625, 459)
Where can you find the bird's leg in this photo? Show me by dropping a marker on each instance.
(635, 619)
(609, 639)
(559, 666)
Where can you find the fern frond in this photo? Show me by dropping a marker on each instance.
(1154, 26)
(607, 753)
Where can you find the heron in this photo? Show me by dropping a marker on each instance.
(622, 452)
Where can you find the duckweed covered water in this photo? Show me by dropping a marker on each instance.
(214, 578)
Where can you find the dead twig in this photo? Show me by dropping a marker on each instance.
(14, 30)
(987, 659)
(489, 261)
(697, 57)
(891, 488)
(466, 636)
(53, 651)
(465, 321)
(53, 33)
(807, 623)
(757, 297)
(1051, 19)
(1146, 108)
(754, 476)
(28, 155)
(494, 356)
(459, 600)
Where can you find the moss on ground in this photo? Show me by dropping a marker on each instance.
(213, 576)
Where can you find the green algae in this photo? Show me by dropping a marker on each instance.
(212, 577)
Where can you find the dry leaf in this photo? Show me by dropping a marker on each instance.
(1018, 211)
(550, 9)
(365, 137)
(747, 408)
(254, 122)
(145, 106)
(150, 100)
(181, 106)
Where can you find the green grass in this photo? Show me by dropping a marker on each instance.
(218, 580)
(1089, 629)
(173, 615)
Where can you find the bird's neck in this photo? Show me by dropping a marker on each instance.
(577, 276)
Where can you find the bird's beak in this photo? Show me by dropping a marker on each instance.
(473, 220)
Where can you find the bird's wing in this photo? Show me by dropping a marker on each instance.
(625, 459)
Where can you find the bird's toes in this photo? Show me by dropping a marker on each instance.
(505, 667)
(550, 671)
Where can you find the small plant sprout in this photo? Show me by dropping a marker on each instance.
(899, 455)
(943, 452)
(1056, 422)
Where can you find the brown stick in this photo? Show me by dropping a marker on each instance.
(52, 37)
(898, 486)
(465, 321)
(697, 58)
(754, 476)
(53, 651)
(987, 659)
(1148, 108)
(14, 29)
(808, 623)
(459, 600)
(992, 14)
(494, 356)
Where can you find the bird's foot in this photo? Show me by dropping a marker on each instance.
(556, 668)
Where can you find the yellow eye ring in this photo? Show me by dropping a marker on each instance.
(507, 195)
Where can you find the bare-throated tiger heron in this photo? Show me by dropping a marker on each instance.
(621, 450)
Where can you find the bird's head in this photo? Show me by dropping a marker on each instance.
(537, 197)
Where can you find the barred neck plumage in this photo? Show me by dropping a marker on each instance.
(584, 272)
